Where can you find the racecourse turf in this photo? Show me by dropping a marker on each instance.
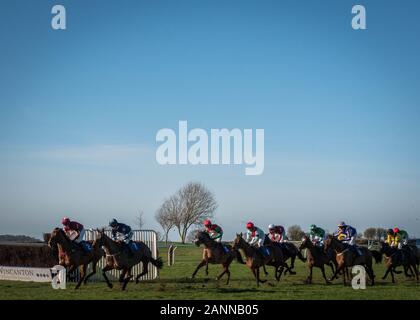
(175, 283)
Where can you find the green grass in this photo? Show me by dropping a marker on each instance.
(175, 283)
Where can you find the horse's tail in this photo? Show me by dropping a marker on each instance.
(300, 256)
(158, 263)
(238, 256)
(376, 255)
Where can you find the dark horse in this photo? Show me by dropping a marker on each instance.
(317, 257)
(289, 251)
(400, 257)
(214, 253)
(72, 255)
(255, 259)
(347, 258)
(120, 259)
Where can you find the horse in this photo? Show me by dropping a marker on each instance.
(346, 258)
(317, 257)
(255, 259)
(289, 251)
(214, 253)
(399, 257)
(72, 255)
(118, 258)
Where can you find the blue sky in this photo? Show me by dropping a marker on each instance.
(80, 108)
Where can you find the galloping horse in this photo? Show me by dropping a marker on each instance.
(214, 253)
(289, 251)
(346, 258)
(317, 257)
(72, 255)
(396, 257)
(255, 259)
(119, 259)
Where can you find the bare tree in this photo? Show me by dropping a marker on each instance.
(166, 215)
(140, 220)
(380, 234)
(370, 233)
(295, 233)
(190, 206)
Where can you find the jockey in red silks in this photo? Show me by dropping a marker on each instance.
(277, 233)
(215, 232)
(71, 227)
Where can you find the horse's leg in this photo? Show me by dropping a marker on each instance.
(122, 276)
(332, 268)
(258, 276)
(280, 272)
(323, 274)
(226, 266)
(336, 273)
(265, 270)
(127, 279)
(344, 276)
(292, 262)
(254, 272)
(292, 265)
(82, 275)
(392, 276)
(388, 270)
(145, 265)
(309, 279)
(207, 267)
(104, 270)
(288, 269)
(201, 264)
(222, 274)
(92, 273)
(406, 268)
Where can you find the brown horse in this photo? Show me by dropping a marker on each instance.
(405, 257)
(214, 253)
(255, 259)
(118, 258)
(347, 258)
(316, 257)
(289, 251)
(72, 255)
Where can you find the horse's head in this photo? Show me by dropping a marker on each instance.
(57, 236)
(304, 243)
(237, 243)
(328, 242)
(201, 237)
(100, 237)
(384, 247)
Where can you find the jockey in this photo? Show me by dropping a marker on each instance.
(347, 233)
(71, 227)
(254, 236)
(276, 233)
(317, 235)
(215, 232)
(397, 238)
(122, 233)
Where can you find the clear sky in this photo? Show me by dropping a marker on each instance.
(80, 108)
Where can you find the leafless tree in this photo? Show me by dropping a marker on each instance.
(190, 206)
(380, 234)
(140, 220)
(370, 233)
(166, 215)
(295, 233)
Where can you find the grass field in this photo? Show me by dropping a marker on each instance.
(175, 283)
